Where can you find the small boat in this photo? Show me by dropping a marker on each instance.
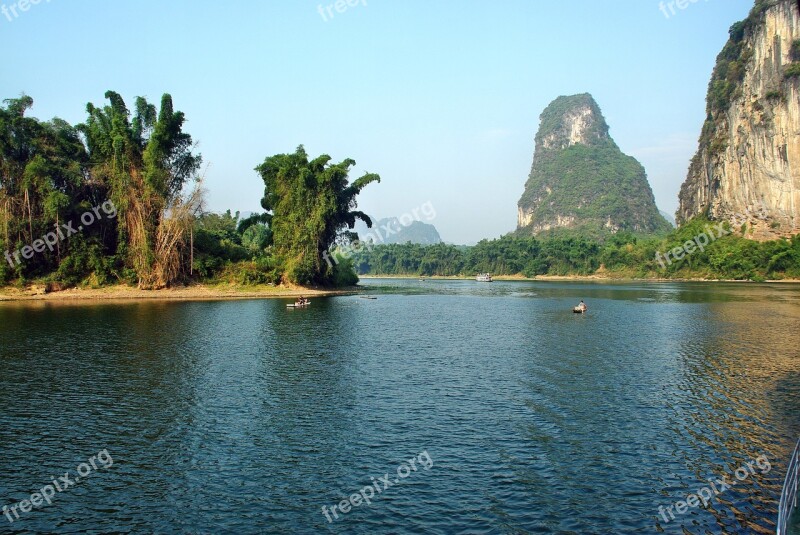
(367, 297)
(579, 310)
(298, 304)
(484, 277)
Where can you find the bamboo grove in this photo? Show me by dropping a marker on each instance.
(142, 163)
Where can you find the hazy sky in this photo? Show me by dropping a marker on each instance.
(441, 98)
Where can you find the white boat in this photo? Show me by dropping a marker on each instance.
(484, 277)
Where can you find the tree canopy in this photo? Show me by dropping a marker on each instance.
(311, 204)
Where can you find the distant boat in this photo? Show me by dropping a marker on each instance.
(578, 310)
(484, 277)
(298, 304)
(367, 297)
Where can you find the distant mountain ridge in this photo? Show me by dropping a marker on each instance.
(392, 230)
(669, 217)
(580, 181)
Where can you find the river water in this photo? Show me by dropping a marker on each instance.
(491, 407)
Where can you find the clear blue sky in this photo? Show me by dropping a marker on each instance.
(441, 98)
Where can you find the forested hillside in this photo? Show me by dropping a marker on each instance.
(621, 255)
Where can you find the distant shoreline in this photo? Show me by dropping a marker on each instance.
(576, 278)
(201, 292)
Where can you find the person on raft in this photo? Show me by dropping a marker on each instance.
(582, 307)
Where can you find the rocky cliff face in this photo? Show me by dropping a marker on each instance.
(747, 168)
(580, 180)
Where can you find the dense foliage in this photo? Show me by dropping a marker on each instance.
(310, 205)
(144, 162)
(117, 199)
(55, 177)
(730, 256)
(43, 183)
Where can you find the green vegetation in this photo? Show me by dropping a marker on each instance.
(310, 204)
(582, 178)
(774, 95)
(792, 71)
(141, 169)
(794, 51)
(621, 255)
(143, 165)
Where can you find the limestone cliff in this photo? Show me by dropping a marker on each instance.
(580, 180)
(747, 168)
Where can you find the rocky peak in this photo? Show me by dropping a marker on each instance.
(580, 180)
(571, 120)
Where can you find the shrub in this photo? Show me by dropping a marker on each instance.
(792, 71)
(343, 273)
(774, 95)
(794, 51)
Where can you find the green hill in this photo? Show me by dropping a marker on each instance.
(581, 182)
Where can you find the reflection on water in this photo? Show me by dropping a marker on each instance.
(246, 417)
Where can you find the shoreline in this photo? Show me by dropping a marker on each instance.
(197, 292)
(576, 278)
(223, 292)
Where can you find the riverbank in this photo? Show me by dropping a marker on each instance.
(204, 292)
(597, 277)
(200, 292)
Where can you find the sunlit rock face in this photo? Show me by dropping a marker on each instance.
(747, 168)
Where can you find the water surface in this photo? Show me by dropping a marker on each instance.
(244, 417)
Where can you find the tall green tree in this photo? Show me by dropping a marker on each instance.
(42, 183)
(312, 204)
(145, 161)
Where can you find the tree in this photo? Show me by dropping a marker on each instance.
(42, 179)
(145, 164)
(310, 204)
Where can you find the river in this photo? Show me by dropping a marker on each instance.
(490, 407)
